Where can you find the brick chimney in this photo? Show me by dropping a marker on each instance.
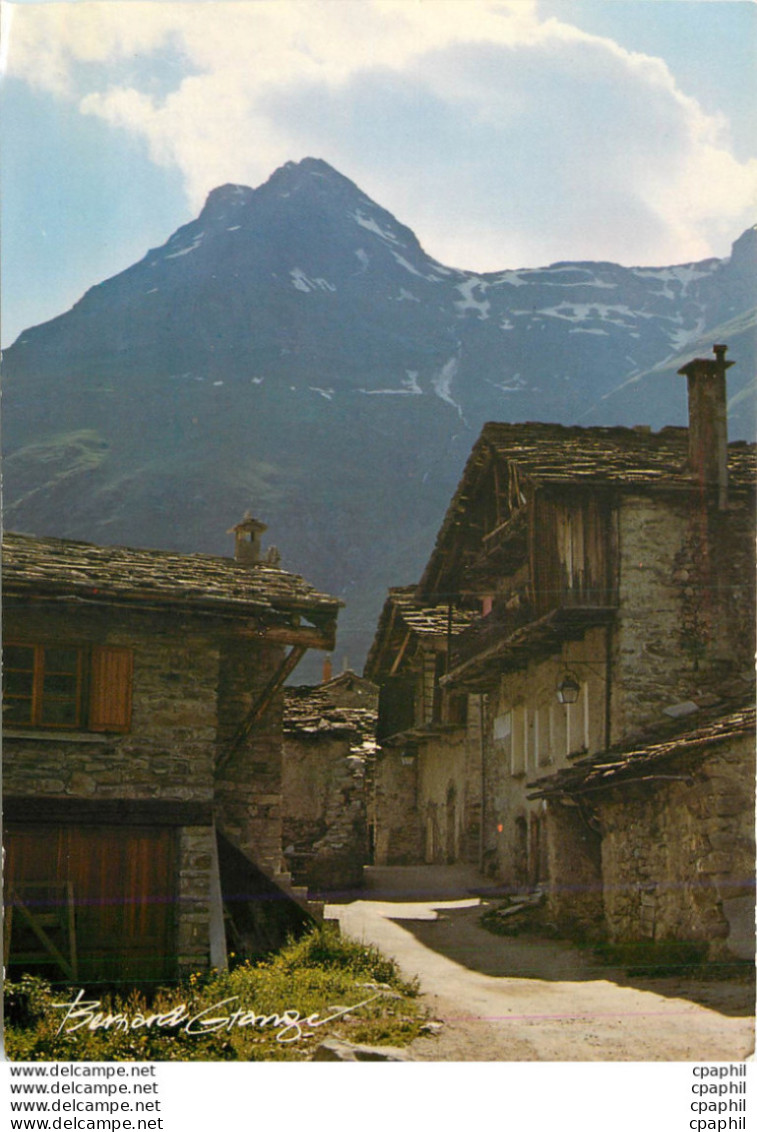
(708, 421)
(247, 539)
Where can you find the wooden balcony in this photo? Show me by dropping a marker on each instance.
(508, 639)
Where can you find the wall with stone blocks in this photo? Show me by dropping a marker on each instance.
(449, 798)
(529, 735)
(574, 896)
(324, 812)
(192, 686)
(193, 920)
(394, 809)
(168, 752)
(686, 616)
(678, 856)
(248, 784)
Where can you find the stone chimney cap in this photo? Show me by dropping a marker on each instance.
(708, 365)
(248, 523)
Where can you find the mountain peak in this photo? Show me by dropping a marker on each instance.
(312, 165)
(225, 199)
(311, 176)
(745, 248)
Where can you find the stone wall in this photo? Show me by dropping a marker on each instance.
(398, 836)
(167, 755)
(449, 797)
(324, 812)
(678, 856)
(192, 685)
(574, 896)
(248, 784)
(168, 752)
(193, 921)
(529, 735)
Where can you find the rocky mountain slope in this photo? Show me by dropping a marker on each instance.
(295, 351)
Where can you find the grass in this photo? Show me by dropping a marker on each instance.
(324, 973)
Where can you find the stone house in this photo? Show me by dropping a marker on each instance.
(329, 746)
(656, 840)
(612, 570)
(425, 797)
(142, 764)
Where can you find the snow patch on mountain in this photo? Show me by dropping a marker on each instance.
(579, 277)
(409, 383)
(516, 383)
(431, 278)
(408, 266)
(442, 383)
(582, 312)
(185, 251)
(303, 283)
(468, 302)
(685, 273)
(682, 335)
(371, 225)
(511, 279)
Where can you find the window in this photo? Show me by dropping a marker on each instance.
(519, 749)
(457, 710)
(67, 687)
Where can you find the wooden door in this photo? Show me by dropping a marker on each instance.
(123, 885)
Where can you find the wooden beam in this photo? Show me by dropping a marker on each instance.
(21, 810)
(66, 965)
(386, 637)
(287, 666)
(400, 654)
(305, 638)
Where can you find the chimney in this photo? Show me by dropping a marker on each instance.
(708, 421)
(327, 671)
(247, 539)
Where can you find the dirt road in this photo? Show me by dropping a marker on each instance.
(504, 999)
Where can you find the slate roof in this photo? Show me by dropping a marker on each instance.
(566, 455)
(550, 453)
(426, 620)
(65, 568)
(642, 760)
(310, 712)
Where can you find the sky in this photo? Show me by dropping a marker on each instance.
(505, 134)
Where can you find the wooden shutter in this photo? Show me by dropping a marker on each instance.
(110, 689)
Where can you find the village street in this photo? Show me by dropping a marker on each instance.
(521, 999)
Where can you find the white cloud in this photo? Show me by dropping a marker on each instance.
(501, 138)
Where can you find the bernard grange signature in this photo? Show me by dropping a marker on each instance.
(290, 1025)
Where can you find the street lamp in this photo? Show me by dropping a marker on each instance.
(568, 690)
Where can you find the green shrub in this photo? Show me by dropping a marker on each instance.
(323, 973)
